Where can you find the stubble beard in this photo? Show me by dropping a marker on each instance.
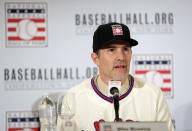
(122, 74)
(120, 77)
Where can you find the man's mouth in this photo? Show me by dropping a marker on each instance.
(120, 66)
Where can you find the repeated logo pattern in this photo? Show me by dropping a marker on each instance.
(157, 69)
(23, 121)
(26, 24)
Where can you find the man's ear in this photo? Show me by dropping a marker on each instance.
(95, 58)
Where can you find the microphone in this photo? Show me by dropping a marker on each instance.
(115, 92)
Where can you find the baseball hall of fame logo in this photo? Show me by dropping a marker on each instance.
(157, 69)
(117, 30)
(23, 121)
(26, 24)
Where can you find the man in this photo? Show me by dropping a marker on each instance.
(138, 100)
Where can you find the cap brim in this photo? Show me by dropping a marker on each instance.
(132, 42)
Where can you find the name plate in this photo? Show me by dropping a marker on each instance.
(133, 126)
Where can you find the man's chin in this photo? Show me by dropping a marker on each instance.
(120, 78)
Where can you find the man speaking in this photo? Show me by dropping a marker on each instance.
(138, 100)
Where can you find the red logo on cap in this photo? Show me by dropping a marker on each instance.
(117, 30)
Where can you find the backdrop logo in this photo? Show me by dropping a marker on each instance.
(23, 121)
(157, 69)
(139, 23)
(26, 24)
(24, 78)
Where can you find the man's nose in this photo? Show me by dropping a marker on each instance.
(120, 55)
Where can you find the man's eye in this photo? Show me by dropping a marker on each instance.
(111, 49)
(126, 48)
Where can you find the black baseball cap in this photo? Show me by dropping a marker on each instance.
(107, 33)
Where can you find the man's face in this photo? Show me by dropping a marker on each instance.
(114, 61)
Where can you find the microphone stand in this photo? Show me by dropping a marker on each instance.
(115, 92)
(116, 107)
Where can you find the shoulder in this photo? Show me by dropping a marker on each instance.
(84, 86)
(146, 87)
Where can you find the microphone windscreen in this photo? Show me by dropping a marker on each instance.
(114, 90)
